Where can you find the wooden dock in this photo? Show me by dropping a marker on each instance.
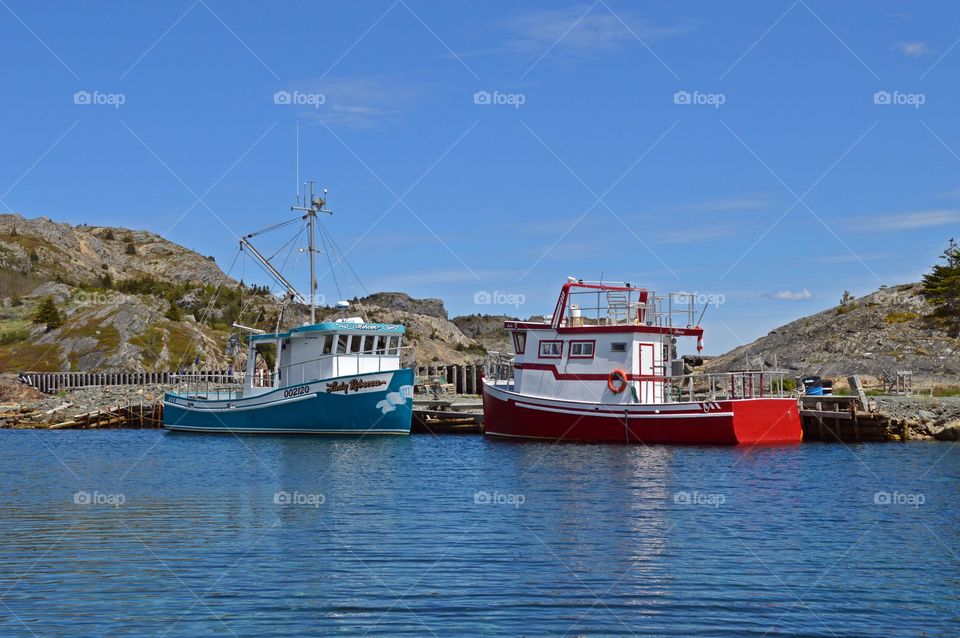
(445, 416)
(847, 420)
(136, 416)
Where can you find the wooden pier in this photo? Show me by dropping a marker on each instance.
(847, 420)
(136, 416)
(455, 416)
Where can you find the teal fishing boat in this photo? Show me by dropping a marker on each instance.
(333, 377)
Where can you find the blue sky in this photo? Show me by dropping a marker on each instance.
(765, 155)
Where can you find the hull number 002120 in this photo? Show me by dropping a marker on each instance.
(296, 392)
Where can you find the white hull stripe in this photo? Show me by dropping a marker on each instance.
(630, 415)
(205, 408)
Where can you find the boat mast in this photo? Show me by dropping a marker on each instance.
(314, 205)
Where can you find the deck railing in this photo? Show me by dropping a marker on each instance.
(713, 386)
(741, 384)
(627, 307)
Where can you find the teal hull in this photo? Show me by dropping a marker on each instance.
(372, 403)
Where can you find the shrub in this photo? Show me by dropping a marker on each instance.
(108, 235)
(48, 314)
(900, 317)
(130, 249)
(173, 312)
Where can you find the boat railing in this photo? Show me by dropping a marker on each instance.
(209, 386)
(740, 384)
(630, 307)
(709, 386)
(498, 366)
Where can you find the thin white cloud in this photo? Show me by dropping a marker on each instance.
(693, 235)
(728, 204)
(847, 258)
(912, 220)
(581, 29)
(791, 295)
(361, 102)
(913, 49)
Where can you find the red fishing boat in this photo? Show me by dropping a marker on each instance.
(605, 368)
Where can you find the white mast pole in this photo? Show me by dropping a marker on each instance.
(313, 272)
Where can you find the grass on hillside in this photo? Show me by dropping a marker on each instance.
(900, 317)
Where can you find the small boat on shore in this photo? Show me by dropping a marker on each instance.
(605, 368)
(333, 377)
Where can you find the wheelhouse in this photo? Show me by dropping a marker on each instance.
(599, 333)
(325, 350)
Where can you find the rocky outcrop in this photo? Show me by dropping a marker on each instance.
(405, 303)
(84, 254)
(487, 330)
(874, 335)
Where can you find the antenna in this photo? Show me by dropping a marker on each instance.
(296, 184)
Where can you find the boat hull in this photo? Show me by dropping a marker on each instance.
(373, 403)
(736, 421)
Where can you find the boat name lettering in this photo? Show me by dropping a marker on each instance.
(296, 392)
(354, 385)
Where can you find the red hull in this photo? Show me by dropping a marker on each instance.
(757, 420)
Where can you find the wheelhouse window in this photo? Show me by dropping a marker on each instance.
(381, 345)
(393, 346)
(519, 342)
(342, 343)
(551, 349)
(618, 347)
(328, 344)
(582, 349)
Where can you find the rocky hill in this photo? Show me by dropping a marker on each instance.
(86, 254)
(131, 300)
(488, 330)
(878, 334)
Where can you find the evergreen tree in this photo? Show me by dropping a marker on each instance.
(941, 287)
(173, 312)
(48, 314)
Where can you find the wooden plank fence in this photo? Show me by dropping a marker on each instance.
(52, 382)
(466, 379)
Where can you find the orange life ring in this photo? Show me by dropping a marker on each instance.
(617, 375)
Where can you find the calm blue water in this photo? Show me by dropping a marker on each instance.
(459, 536)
